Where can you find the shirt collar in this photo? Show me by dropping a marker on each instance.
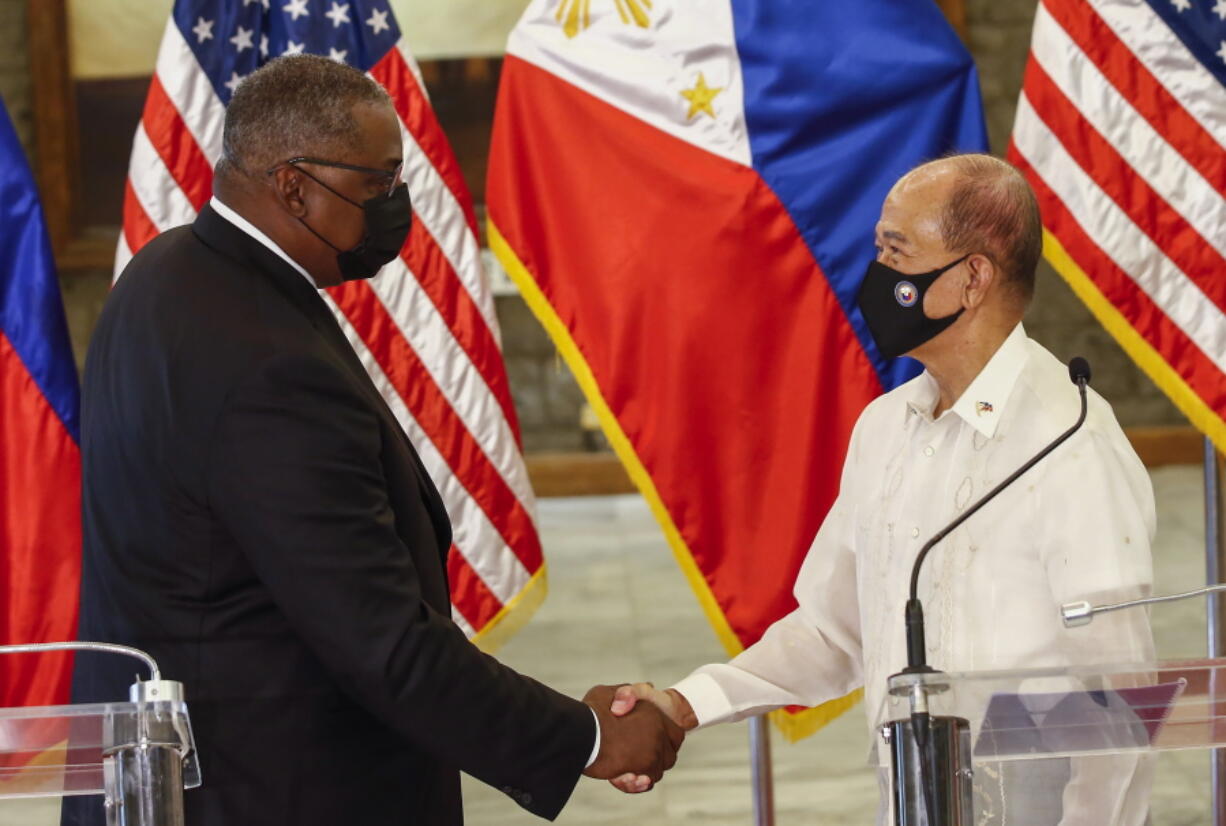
(250, 228)
(982, 404)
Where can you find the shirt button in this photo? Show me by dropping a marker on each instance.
(928, 451)
(914, 533)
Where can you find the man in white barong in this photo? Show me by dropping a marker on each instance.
(958, 242)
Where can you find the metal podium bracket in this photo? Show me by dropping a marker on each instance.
(144, 760)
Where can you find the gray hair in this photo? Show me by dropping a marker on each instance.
(993, 211)
(297, 105)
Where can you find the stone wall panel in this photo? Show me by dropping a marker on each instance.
(15, 70)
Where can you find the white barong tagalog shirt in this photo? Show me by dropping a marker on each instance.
(1076, 526)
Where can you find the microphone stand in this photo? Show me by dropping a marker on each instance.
(931, 754)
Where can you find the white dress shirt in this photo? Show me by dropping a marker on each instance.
(250, 228)
(1077, 526)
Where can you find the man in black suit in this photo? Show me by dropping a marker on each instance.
(256, 519)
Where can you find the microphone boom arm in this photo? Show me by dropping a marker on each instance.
(1076, 614)
(917, 656)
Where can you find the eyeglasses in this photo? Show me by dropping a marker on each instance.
(394, 177)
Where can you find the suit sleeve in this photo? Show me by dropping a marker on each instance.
(295, 475)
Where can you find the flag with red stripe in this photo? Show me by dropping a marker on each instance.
(685, 195)
(40, 461)
(424, 328)
(1121, 129)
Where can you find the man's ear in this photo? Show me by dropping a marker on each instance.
(287, 183)
(982, 274)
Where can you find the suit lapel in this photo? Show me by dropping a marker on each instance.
(232, 242)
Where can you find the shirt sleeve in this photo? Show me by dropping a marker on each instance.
(596, 745)
(813, 654)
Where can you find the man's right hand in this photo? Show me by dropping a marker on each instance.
(671, 702)
(674, 706)
(644, 743)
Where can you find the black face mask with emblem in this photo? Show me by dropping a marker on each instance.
(892, 304)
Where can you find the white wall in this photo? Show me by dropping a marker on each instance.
(119, 38)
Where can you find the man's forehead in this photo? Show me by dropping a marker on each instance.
(912, 216)
(381, 136)
(927, 186)
(928, 182)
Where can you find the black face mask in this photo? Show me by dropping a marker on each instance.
(388, 219)
(893, 307)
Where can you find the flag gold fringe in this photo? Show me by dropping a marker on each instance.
(793, 726)
(1141, 351)
(514, 615)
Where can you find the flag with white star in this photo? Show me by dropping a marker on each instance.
(1121, 129)
(425, 326)
(231, 40)
(685, 194)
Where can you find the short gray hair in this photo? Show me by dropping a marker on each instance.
(993, 211)
(297, 105)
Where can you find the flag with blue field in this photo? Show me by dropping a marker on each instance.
(686, 197)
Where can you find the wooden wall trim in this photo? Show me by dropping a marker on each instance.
(88, 253)
(1174, 445)
(596, 474)
(57, 157)
(577, 474)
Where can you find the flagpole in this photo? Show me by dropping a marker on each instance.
(1215, 615)
(760, 764)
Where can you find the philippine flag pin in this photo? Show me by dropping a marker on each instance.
(983, 407)
(905, 293)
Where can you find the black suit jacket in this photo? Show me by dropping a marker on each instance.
(255, 518)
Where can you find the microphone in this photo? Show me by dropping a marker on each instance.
(917, 657)
(1079, 371)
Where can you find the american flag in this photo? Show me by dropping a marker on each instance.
(424, 328)
(1121, 129)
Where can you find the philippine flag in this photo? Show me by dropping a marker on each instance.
(685, 194)
(40, 461)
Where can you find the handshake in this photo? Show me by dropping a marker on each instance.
(639, 741)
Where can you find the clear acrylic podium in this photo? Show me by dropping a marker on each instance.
(138, 755)
(983, 722)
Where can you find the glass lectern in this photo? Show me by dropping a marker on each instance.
(980, 724)
(138, 755)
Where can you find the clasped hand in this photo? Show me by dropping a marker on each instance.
(638, 741)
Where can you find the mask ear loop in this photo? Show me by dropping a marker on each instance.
(941, 271)
(330, 189)
(317, 235)
(950, 267)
